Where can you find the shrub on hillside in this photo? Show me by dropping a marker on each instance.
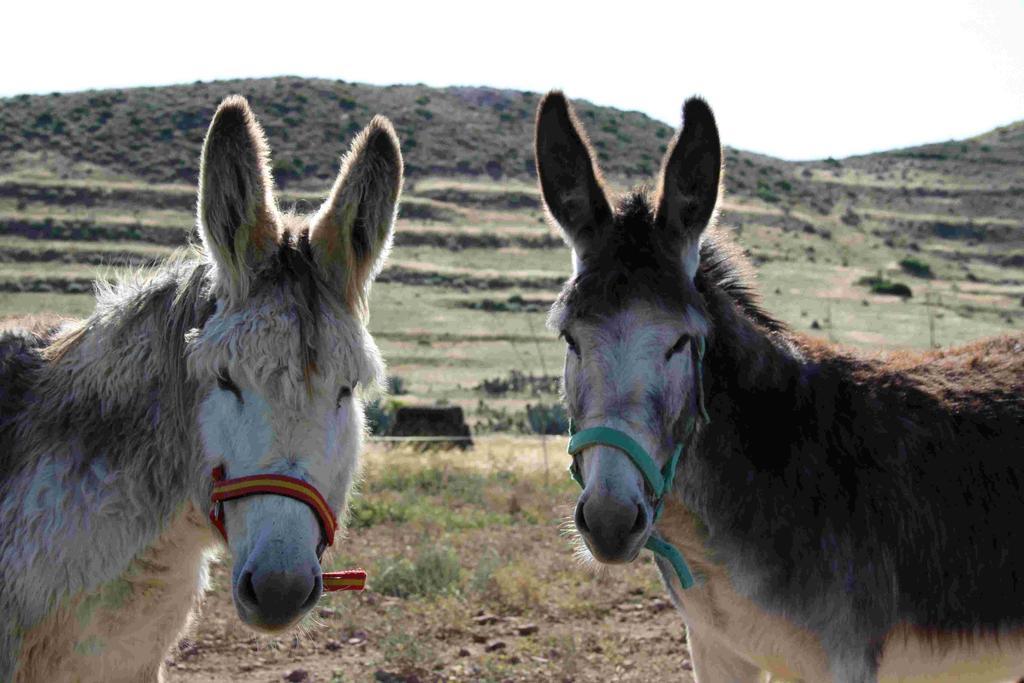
(917, 267)
(879, 285)
(764, 192)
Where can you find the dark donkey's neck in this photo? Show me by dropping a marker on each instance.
(817, 461)
(754, 380)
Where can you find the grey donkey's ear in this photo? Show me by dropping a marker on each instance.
(351, 234)
(238, 218)
(689, 184)
(569, 178)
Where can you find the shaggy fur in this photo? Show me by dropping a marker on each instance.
(109, 427)
(853, 516)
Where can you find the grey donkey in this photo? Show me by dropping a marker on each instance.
(246, 354)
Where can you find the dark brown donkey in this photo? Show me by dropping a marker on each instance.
(848, 517)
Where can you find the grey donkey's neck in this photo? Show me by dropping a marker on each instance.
(106, 451)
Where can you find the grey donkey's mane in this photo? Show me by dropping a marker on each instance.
(106, 383)
(63, 384)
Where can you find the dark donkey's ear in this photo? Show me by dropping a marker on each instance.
(351, 234)
(689, 183)
(238, 219)
(569, 178)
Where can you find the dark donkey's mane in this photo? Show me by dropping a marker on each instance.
(869, 490)
(633, 262)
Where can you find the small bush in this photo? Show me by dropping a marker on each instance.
(520, 382)
(539, 419)
(434, 571)
(367, 512)
(380, 414)
(461, 484)
(548, 419)
(917, 267)
(879, 285)
(514, 304)
(480, 582)
(514, 587)
(409, 653)
(892, 289)
(764, 192)
(396, 385)
(498, 419)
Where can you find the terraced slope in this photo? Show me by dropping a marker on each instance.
(464, 296)
(91, 182)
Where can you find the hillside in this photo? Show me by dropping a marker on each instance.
(95, 180)
(154, 133)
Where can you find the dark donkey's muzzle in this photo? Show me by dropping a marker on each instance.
(632, 523)
(659, 481)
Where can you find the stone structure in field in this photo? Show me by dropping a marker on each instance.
(414, 421)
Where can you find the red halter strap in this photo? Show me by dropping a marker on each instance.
(281, 485)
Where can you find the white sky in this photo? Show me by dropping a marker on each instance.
(791, 79)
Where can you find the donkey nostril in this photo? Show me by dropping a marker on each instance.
(580, 517)
(246, 591)
(640, 523)
(314, 594)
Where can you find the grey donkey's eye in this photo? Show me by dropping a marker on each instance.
(226, 384)
(345, 392)
(678, 346)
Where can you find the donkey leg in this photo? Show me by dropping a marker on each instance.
(714, 663)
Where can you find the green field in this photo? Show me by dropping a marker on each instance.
(466, 289)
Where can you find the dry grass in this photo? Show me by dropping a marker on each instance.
(503, 600)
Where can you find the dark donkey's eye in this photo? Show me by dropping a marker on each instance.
(345, 392)
(226, 384)
(678, 346)
(570, 342)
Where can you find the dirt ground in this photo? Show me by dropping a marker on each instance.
(510, 603)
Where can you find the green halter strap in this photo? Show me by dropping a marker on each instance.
(660, 481)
